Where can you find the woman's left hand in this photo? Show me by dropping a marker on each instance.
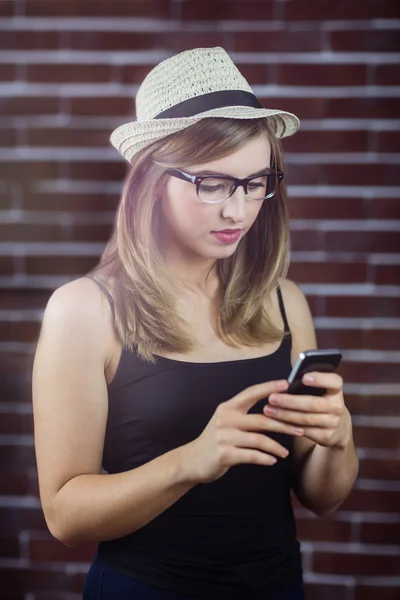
(324, 419)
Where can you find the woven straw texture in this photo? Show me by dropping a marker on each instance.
(187, 75)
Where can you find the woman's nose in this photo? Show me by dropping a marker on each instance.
(235, 206)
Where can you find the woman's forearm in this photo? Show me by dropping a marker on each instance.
(328, 475)
(95, 507)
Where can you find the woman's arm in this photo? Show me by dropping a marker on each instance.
(69, 388)
(324, 476)
(325, 472)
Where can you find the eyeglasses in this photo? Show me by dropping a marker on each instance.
(217, 188)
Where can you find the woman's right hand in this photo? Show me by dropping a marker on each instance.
(232, 436)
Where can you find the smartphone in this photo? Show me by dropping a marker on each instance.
(326, 361)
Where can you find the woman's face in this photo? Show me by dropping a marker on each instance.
(188, 223)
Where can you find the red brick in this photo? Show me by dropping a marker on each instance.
(112, 105)
(135, 73)
(5, 200)
(16, 423)
(98, 8)
(69, 136)
(125, 40)
(380, 533)
(380, 469)
(256, 73)
(23, 331)
(98, 171)
(387, 74)
(343, 174)
(362, 241)
(387, 275)
(321, 75)
(304, 108)
(29, 170)
(35, 578)
(7, 8)
(362, 108)
(59, 265)
(387, 9)
(7, 72)
(327, 141)
(227, 10)
(30, 232)
(317, 530)
(24, 105)
(372, 501)
(6, 262)
(311, 10)
(8, 137)
(372, 405)
(368, 40)
(384, 208)
(340, 338)
(376, 437)
(277, 41)
(91, 233)
(19, 297)
(17, 457)
(386, 141)
(9, 548)
(69, 202)
(370, 372)
(331, 272)
(326, 208)
(319, 591)
(355, 564)
(44, 547)
(362, 306)
(383, 339)
(305, 240)
(62, 73)
(372, 592)
(12, 484)
(29, 40)
(15, 520)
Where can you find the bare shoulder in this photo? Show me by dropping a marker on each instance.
(69, 389)
(299, 317)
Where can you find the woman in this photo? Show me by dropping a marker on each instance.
(166, 385)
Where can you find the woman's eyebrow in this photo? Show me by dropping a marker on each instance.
(210, 172)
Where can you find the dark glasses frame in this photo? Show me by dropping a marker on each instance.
(198, 179)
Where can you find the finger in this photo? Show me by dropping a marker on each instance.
(304, 403)
(238, 456)
(248, 397)
(301, 419)
(262, 423)
(331, 381)
(257, 441)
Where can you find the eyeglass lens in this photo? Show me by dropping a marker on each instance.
(214, 190)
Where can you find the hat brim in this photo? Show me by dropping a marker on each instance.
(129, 138)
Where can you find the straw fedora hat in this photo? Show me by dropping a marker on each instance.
(190, 86)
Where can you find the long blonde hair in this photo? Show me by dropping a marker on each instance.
(147, 318)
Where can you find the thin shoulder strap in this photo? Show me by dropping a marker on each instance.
(282, 307)
(104, 289)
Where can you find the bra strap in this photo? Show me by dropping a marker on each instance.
(282, 307)
(105, 290)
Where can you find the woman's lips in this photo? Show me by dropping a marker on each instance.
(228, 236)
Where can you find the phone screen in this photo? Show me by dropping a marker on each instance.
(325, 361)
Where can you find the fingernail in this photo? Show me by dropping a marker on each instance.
(281, 385)
(309, 378)
(284, 453)
(299, 431)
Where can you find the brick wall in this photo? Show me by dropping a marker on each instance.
(68, 71)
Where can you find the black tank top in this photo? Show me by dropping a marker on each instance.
(234, 538)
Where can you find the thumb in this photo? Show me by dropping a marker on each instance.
(253, 394)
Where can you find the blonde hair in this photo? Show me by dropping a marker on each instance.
(147, 319)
